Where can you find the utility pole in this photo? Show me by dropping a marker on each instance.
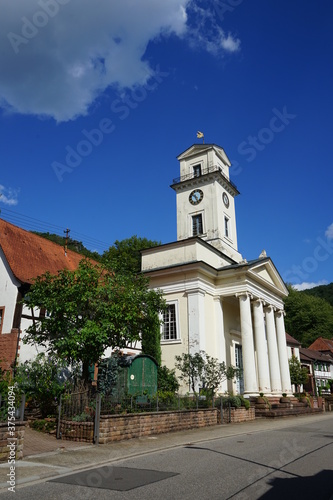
(66, 231)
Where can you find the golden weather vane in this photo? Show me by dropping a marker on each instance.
(200, 135)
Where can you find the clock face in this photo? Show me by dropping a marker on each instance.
(225, 199)
(195, 196)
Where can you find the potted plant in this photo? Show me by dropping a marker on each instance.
(262, 401)
(284, 398)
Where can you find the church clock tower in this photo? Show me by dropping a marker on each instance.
(206, 198)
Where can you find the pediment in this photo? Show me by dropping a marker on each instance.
(197, 149)
(265, 272)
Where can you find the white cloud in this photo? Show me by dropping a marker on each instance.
(306, 286)
(58, 56)
(8, 196)
(329, 232)
(230, 43)
(206, 34)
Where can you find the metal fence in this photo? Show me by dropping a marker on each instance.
(79, 412)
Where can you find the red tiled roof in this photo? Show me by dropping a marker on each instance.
(30, 255)
(291, 340)
(321, 344)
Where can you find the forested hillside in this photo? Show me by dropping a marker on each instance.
(76, 246)
(322, 291)
(308, 316)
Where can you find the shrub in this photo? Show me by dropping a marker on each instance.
(43, 380)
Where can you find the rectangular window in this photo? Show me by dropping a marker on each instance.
(226, 227)
(169, 331)
(197, 225)
(197, 170)
(2, 312)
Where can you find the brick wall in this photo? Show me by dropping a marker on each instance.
(5, 439)
(238, 415)
(8, 343)
(120, 427)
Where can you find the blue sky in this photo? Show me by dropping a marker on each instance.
(96, 103)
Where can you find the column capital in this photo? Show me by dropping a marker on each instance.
(280, 312)
(258, 301)
(243, 294)
(269, 307)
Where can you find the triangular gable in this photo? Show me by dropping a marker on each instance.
(201, 148)
(263, 270)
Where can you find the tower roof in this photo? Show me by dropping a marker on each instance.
(200, 148)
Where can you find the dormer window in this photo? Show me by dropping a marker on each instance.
(197, 170)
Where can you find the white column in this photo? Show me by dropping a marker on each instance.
(220, 339)
(283, 353)
(249, 368)
(273, 355)
(261, 347)
(196, 321)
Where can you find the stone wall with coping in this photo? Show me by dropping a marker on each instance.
(120, 427)
(238, 415)
(6, 438)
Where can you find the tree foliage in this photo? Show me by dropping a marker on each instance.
(89, 310)
(323, 292)
(167, 380)
(298, 374)
(43, 380)
(125, 256)
(307, 317)
(201, 369)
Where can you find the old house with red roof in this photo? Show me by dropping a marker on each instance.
(23, 257)
(323, 345)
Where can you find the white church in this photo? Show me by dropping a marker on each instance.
(218, 302)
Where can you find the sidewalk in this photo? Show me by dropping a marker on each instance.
(63, 457)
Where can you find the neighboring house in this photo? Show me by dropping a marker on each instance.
(293, 347)
(319, 367)
(23, 257)
(323, 345)
(217, 301)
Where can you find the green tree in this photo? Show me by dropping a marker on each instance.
(298, 374)
(321, 291)
(43, 380)
(307, 317)
(202, 369)
(191, 367)
(125, 255)
(215, 373)
(167, 380)
(90, 309)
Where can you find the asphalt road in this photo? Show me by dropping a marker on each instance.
(292, 462)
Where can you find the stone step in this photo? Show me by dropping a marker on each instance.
(285, 412)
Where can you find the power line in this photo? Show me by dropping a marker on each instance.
(33, 224)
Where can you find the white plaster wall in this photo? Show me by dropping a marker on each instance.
(28, 352)
(8, 293)
(174, 254)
